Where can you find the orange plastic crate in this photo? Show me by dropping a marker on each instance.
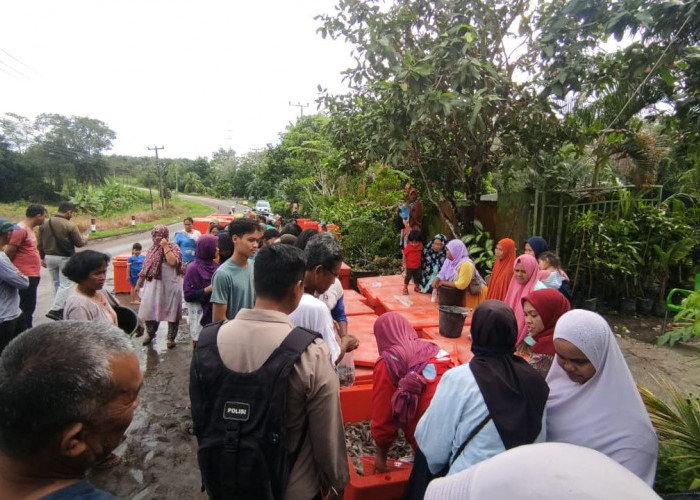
(121, 278)
(383, 486)
(462, 344)
(350, 294)
(368, 465)
(356, 308)
(356, 401)
(344, 276)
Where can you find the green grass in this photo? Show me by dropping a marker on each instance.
(119, 223)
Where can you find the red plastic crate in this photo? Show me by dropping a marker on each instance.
(356, 402)
(383, 486)
(344, 276)
(121, 278)
(368, 465)
(356, 308)
(463, 344)
(362, 327)
(364, 374)
(349, 294)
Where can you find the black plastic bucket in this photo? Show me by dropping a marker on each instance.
(450, 296)
(452, 321)
(126, 319)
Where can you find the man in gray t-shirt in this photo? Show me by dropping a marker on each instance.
(232, 284)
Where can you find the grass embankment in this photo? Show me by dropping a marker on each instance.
(120, 222)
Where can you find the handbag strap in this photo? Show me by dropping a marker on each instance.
(61, 245)
(473, 433)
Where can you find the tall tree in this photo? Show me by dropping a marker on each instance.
(435, 93)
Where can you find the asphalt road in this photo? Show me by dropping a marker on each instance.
(114, 246)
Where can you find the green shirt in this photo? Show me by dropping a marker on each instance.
(233, 285)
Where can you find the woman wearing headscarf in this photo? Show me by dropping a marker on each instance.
(502, 269)
(535, 245)
(522, 283)
(542, 309)
(594, 401)
(405, 378)
(161, 275)
(491, 404)
(197, 284)
(434, 256)
(561, 471)
(457, 272)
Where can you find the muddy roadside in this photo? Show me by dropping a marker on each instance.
(159, 452)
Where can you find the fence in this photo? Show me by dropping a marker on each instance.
(552, 211)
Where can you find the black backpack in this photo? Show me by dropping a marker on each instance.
(239, 419)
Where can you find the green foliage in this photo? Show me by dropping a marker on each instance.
(433, 93)
(630, 246)
(363, 239)
(480, 246)
(678, 428)
(108, 199)
(607, 252)
(686, 321)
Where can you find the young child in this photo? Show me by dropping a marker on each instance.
(411, 261)
(551, 275)
(133, 268)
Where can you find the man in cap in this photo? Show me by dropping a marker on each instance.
(11, 281)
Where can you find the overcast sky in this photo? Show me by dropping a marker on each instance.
(192, 75)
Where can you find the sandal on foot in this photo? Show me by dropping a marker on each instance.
(170, 343)
(405, 291)
(112, 460)
(416, 289)
(147, 340)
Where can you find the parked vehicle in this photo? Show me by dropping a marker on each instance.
(262, 207)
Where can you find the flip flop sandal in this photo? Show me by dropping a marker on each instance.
(170, 343)
(147, 340)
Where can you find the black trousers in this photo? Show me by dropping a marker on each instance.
(27, 302)
(8, 331)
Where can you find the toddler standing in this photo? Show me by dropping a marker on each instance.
(412, 253)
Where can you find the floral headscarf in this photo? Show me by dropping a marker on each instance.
(156, 256)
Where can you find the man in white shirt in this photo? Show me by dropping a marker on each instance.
(324, 256)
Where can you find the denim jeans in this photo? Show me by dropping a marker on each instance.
(62, 285)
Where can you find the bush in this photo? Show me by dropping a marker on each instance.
(363, 239)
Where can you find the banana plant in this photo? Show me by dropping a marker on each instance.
(668, 257)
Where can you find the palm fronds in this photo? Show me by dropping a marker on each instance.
(678, 424)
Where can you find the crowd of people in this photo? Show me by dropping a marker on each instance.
(541, 372)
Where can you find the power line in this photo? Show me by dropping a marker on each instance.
(651, 71)
(12, 68)
(300, 106)
(17, 60)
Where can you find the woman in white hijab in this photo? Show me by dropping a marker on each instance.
(593, 399)
(544, 471)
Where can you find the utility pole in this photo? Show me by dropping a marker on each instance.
(161, 176)
(300, 106)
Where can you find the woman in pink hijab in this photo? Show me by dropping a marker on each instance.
(405, 378)
(521, 284)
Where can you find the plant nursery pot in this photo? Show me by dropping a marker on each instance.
(628, 306)
(659, 309)
(644, 306)
(590, 304)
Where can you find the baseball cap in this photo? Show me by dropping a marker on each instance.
(6, 226)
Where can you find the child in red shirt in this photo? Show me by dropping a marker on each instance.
(412, 253)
